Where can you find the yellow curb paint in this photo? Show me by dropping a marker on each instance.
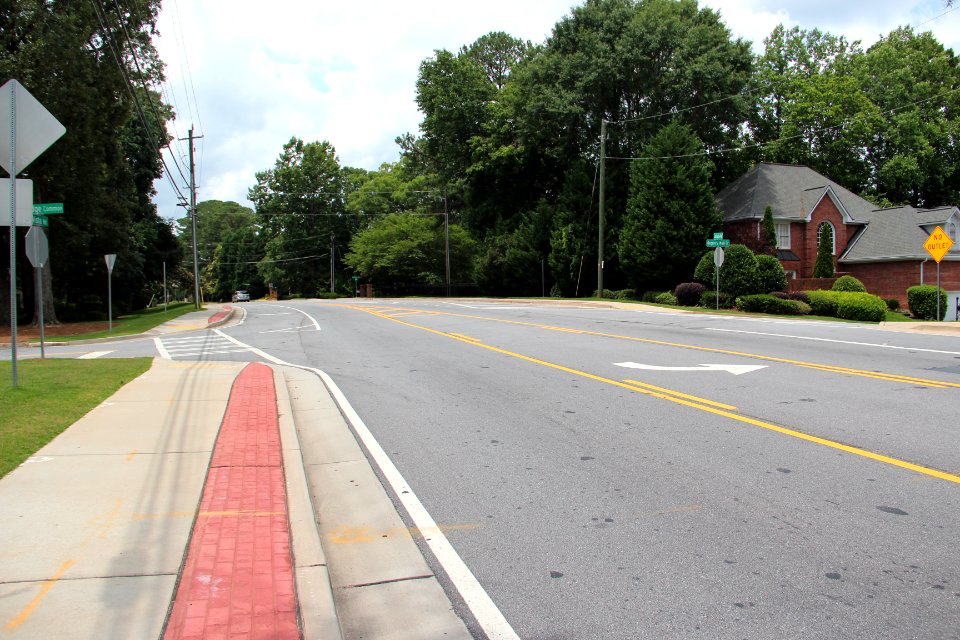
(44, 590)
(949, 477)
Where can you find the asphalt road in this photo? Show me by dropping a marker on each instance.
(814, 492)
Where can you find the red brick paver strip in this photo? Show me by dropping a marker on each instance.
(237, 581)
(220, 315)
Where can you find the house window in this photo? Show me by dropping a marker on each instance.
(783, 235)
(952, 231)
(833, 236)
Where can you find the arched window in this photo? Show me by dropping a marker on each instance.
(833, 236)
(952, 231)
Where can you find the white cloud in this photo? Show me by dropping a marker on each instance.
(346, 72)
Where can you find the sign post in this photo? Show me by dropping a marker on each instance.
(110, 259)
(937, 246)
(26, 129)
(718, 242)
(37, 253)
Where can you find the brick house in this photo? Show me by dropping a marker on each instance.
(883, 248)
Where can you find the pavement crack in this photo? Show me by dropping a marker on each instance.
(380, 582)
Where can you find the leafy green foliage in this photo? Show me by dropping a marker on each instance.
(848, 283)
(770, 274)
(823, 267)
(666, 298)
(709, 300)
(671, 203)
(405, 249)
(764, 303)
(768, 232)
(922, 300)
(688, 293)
(738, 274)
(863, 307)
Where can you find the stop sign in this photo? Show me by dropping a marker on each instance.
(38, 250)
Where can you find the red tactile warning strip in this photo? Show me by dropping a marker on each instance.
(220, 315)
(237, 581)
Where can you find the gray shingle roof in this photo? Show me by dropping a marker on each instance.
(898, 234)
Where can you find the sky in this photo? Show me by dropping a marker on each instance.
(248, 75)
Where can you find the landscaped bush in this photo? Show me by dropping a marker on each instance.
(823, 303)
(626, 294)
(650, 296)
(708, 299)
(666, 298)
(922, 300)
(764, 303)
(848, 283)
(607, 293)
(863, 307)
(738, 274)
(704, 273)
(893, 304)
(770, 274)
(688, 293)
(848, 305)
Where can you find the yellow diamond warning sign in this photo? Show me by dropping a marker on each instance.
(938, 244)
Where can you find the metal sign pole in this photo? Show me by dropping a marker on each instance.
(13, 232)
(939, 317)
(43, 353)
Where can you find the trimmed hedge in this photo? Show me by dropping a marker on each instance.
(688, 293)
(848, 305)
(666, 298)
(770, 274)
(848, 283)
(922, 300)
(708, 299)
(626, 294)
(765, 303)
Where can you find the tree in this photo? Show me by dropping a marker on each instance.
(823, 267)
(670, 211)
(769, 233)
(234, 264)
(299, 205)
(401, 250)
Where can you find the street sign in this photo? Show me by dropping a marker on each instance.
(717, 242)
(938, 244)
(718, 235)
(36, 128)
(24, 188)
(47, 208)
(38, 249)
(40, 220)
(718, 257)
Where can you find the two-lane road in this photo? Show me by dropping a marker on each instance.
(616, 473)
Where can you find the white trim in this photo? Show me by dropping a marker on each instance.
(844, 214)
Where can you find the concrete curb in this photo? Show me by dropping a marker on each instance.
(316, 609)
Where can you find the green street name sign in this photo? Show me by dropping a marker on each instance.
(40, 220)
(717, 242)
(45, 209)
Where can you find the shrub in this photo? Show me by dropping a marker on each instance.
(327, 295)
(770, 274)
(893, 303)
(823, 267)
(738, 274)
(555, 291)
(922, 300)
(625, 294)
(763, 303)
(863, 307)
(688, 293)
(708, 299)
(848, 305)
(607, 293)
(650, 296)
(666, 298)
(823, 303)
(848, 283)
(704, 273)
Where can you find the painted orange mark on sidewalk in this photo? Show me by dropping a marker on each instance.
(238, 577)
(44, 590)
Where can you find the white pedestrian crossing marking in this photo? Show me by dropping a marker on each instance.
(93, 354)
(195, 347)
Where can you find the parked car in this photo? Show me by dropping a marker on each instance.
(241, 296)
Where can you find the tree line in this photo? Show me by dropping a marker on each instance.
(509, 149)
(504, 169)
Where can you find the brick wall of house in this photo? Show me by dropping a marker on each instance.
(742, 232)
(892, 279)
(805, 243)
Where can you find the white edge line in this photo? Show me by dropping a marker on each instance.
(161, 349)
(484, 610)
(859, 344)
(310, 317)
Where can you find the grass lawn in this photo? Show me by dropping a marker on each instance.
(137, 322)
(51, 395)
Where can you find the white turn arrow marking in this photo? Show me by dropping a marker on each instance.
(735, 369)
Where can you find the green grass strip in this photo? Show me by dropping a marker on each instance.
(50, 396)
(136, 322)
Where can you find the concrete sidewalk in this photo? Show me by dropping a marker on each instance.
(98, 523)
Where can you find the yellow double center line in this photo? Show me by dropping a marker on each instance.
(683, 399)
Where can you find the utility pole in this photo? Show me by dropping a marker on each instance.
(446, 235)
(603, 174)
(193, 217)
(333, 249)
